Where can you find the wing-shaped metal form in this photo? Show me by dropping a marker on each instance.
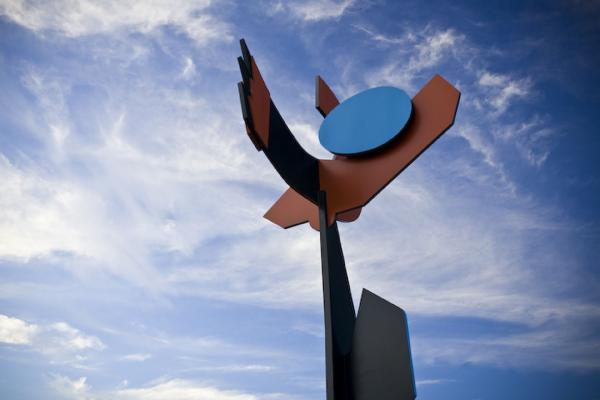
(351, 182)
(292, 209)
(269, 132)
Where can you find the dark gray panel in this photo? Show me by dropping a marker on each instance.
(339, 309)
(381, 360)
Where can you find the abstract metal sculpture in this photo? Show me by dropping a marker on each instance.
(375, 135)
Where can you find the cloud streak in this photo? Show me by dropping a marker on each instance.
(88, 17)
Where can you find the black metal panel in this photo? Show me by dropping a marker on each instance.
(381, 361)
(298, 169)
(246, 73)
(339, 310)
(246, 55)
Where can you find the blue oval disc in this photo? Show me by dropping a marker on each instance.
(365, 121)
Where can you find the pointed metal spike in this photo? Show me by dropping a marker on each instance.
(247, 56)
(245, 74)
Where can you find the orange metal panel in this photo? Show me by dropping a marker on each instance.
(353, 182)
(325, 99)
(259, 103)
(292, 209)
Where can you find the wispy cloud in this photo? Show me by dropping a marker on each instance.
(181, 389)
(559, 348)
(189, 68)
(69, 388)
(318, 10)
(83, 17)
(385, 39)
(426, 382)
(502, 89)
(428, 48)
(136, 357)
(160, 389)
(486, 95)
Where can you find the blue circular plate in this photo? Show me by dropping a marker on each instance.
(365, 121)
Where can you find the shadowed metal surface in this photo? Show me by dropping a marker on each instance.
(338, 309)
(381, 360)
(325, 99)
(269, 132)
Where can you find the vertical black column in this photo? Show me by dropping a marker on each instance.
(339, 309)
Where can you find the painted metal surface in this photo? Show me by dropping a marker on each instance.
(381, 359)
(352, 182)
(338, 312)
(367, 357)
(366, 121)
(325, 99)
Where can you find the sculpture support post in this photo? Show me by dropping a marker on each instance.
(339, 309)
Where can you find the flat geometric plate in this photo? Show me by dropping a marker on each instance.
(365, 121)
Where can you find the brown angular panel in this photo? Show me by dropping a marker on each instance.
(292, 209)
(353, 182)
(325, 99)
(349, 216)
(259, 100)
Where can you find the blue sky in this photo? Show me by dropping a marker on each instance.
(134, 262)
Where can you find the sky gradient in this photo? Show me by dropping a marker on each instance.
(134, 259)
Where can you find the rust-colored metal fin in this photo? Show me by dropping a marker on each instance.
(349, 216)
(325, 99)
(247, 117)
(254, 98)
(292, 209)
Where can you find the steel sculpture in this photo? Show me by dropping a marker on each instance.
(374, 136)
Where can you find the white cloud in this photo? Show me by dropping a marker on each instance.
(482, 144)
(428, 49)
(486, 95)
(137, 357)
(555, 349)
(238, 368)
(183, 390)
(384, 39)
(318, 10)
(61, 337)
(16, 331)
(47, 213)
(427, 382)
(87, 17)
(162, 389)
(501, 90)
(493, 80)
(68, 388)
(37, 214)
(532, 138)
(189, 69)
(58, 341)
